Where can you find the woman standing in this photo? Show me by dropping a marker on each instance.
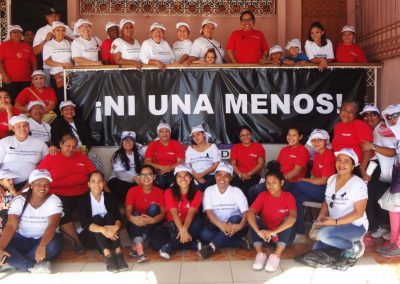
(112, 30)
(202, 157)
(182, 202)
(182, 46)
(31, 237)
(342, 213)
(85, 48)
(7, 110)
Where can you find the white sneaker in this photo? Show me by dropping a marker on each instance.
(386, 236)
(259, 262)
(272, 263)
(379, 233)
(42, 267)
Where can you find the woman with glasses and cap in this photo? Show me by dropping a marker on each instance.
(38, 91)
(247, 45)
(348, 51)
(85, 48)
(313, 188)
(20, 152)
(342, 216)
(205, 42)
(17, 62)
(112, 30)
(226, 209)
(7, 111)
(183, 45)
(126, 49)
(126, 164)
(183, 226)
(7, 194)
(384, 148)
(164, 154)
(39, 128)
(202, 157)
(155, 50)
(31, 236)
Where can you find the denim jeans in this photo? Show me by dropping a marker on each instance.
(212, 234)
(342, 236)
(22, 250)
(246, 185)
(285, 238)
(210, 180)
(164, 181)
(167, 233)
(305, 191)
(140, 233)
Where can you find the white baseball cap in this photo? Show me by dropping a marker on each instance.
(319, 134)
(66, 103)
(39, 173)
(182, 24)
(79, 23)
(348, 28)
(110, 25)
(275, 48)
(208, 21)
(128, 134)
(349, 152)
(57, 24)
(38, 72)
(18, 119)
(35, 103)
(125, 21)
(7, 174)
(182, 168)
(294, 43)
(12, 28)
(368, 108)
(225, 167)
(157, 25)
(163, 125)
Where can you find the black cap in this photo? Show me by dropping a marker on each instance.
(50, 11)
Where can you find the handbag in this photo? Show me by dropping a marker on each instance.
(48, 117)
(59, 78)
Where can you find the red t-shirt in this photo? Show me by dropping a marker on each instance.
(247, 157)
(165, 155)
(290, 157)
(273, 209)
(324, 164)
(4, 121)
(105, 53)
(26, 96)
(351, 135)
(140, 201)
(349, 53)
(70, 174)
(247, 46)
(17, 59)
(183, 205)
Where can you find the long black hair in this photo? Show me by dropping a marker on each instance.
(274, 169)
(121, 155)
(177, 192)
(323, 36)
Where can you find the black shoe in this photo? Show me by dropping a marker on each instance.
(79, 248)
(206, 251)
(111, 264)
(121, 264)
(244, 243)
(165, 251)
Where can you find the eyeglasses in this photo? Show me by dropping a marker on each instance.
(147, 175)
(372, 113)
(394, 115)
(333, 198)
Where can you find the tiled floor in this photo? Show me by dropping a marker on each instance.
(226, 266)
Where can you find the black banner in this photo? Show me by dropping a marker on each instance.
(267, 100)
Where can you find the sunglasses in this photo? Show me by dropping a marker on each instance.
(394, 115)
(372, 113)
(333, 198)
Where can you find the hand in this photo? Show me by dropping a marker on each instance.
(53, 150)
(366, 146)
(138, 65)
(6, 79)
(3, 253)
(160, 65)
(49, 36)
(184, 236)
(233, 229)
(111, 232)
(327, 221)
(301, 63)
(67, 65)
(365, 177)
(225, 228)
(148, 220)
(137, 220)
(263, 234)
(323, 64)
(40, 253)
(137, 180)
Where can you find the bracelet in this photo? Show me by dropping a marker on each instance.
(374, 147)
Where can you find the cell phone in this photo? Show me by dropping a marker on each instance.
(3, 260)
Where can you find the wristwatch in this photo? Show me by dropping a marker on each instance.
(373, 147)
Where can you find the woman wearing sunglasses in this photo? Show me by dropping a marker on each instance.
(343, 214)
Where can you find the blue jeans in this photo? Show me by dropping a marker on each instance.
(210, 180)
(342, 236)
(140, 233)
(285, 237)
(305, 191)
(164, 181)
(22, 250)
(212, 234)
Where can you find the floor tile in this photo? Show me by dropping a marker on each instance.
(206, 271)
(243, 271)
(168, 272)
(59, 267)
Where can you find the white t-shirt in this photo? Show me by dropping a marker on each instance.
(343, 203)
(200, 161)
(232, 202)
(160, 51)
(21, 157)
(98, 207)
(128, 51)
(41, 131)
(119, 171)
(88, 49)
(181, 48)
(59, 52)
(201, 45)
(41, 35)
(315, 51)
(34, 222)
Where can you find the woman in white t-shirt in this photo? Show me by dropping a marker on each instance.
(31, 236)
(318, 48)
(205, 42)
(85, 48)
(156, 50)
(203, 158)
(183, 45)
(126, 49)
(342, 213)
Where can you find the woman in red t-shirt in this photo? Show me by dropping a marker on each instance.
(182, 202)
(277, 216)
(7, 110)
(144, 210)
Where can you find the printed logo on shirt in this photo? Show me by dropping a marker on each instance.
(80, 164)
(320, 166)
(282, 211)
(346, 134)
(253, 155)
(292, 156)
(170, 153)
